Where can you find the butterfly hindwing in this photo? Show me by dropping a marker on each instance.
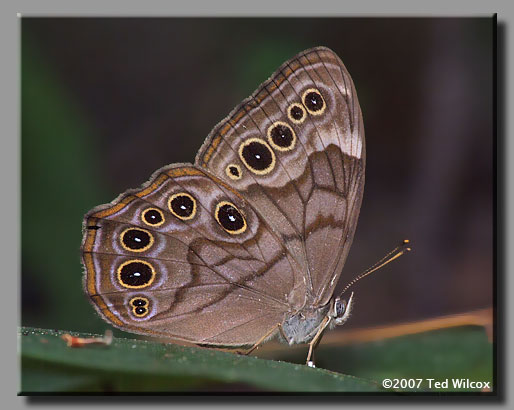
(186, 257)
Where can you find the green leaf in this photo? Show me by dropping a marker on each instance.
(48, 365)
(129, 365)
(462, 352)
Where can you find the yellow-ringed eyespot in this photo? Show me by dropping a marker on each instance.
(153, 217)
(296, 113)
(257, 156)
(136, 239)
(135, 274)
(139, 306)
(182, 205)
(281, 136)
(230, 218)
(314, 102)
(233, 171)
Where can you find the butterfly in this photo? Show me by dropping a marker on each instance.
(250, 240)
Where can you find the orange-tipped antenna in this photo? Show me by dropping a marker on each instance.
(391, 256)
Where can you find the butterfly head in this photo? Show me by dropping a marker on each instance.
(342, 309)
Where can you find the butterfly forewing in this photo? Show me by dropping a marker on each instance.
(309, 190)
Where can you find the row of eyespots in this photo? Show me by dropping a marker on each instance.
(140, 306)
(183, 206)
(258, 156)
(139, 274)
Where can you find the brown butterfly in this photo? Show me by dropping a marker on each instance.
(250, 240)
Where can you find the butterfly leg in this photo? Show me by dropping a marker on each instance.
(263, 338)
(315, 341)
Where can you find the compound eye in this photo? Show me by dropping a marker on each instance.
(339, 308)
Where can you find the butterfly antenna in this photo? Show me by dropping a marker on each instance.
(391, 256)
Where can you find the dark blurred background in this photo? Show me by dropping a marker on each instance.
(105, 102)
